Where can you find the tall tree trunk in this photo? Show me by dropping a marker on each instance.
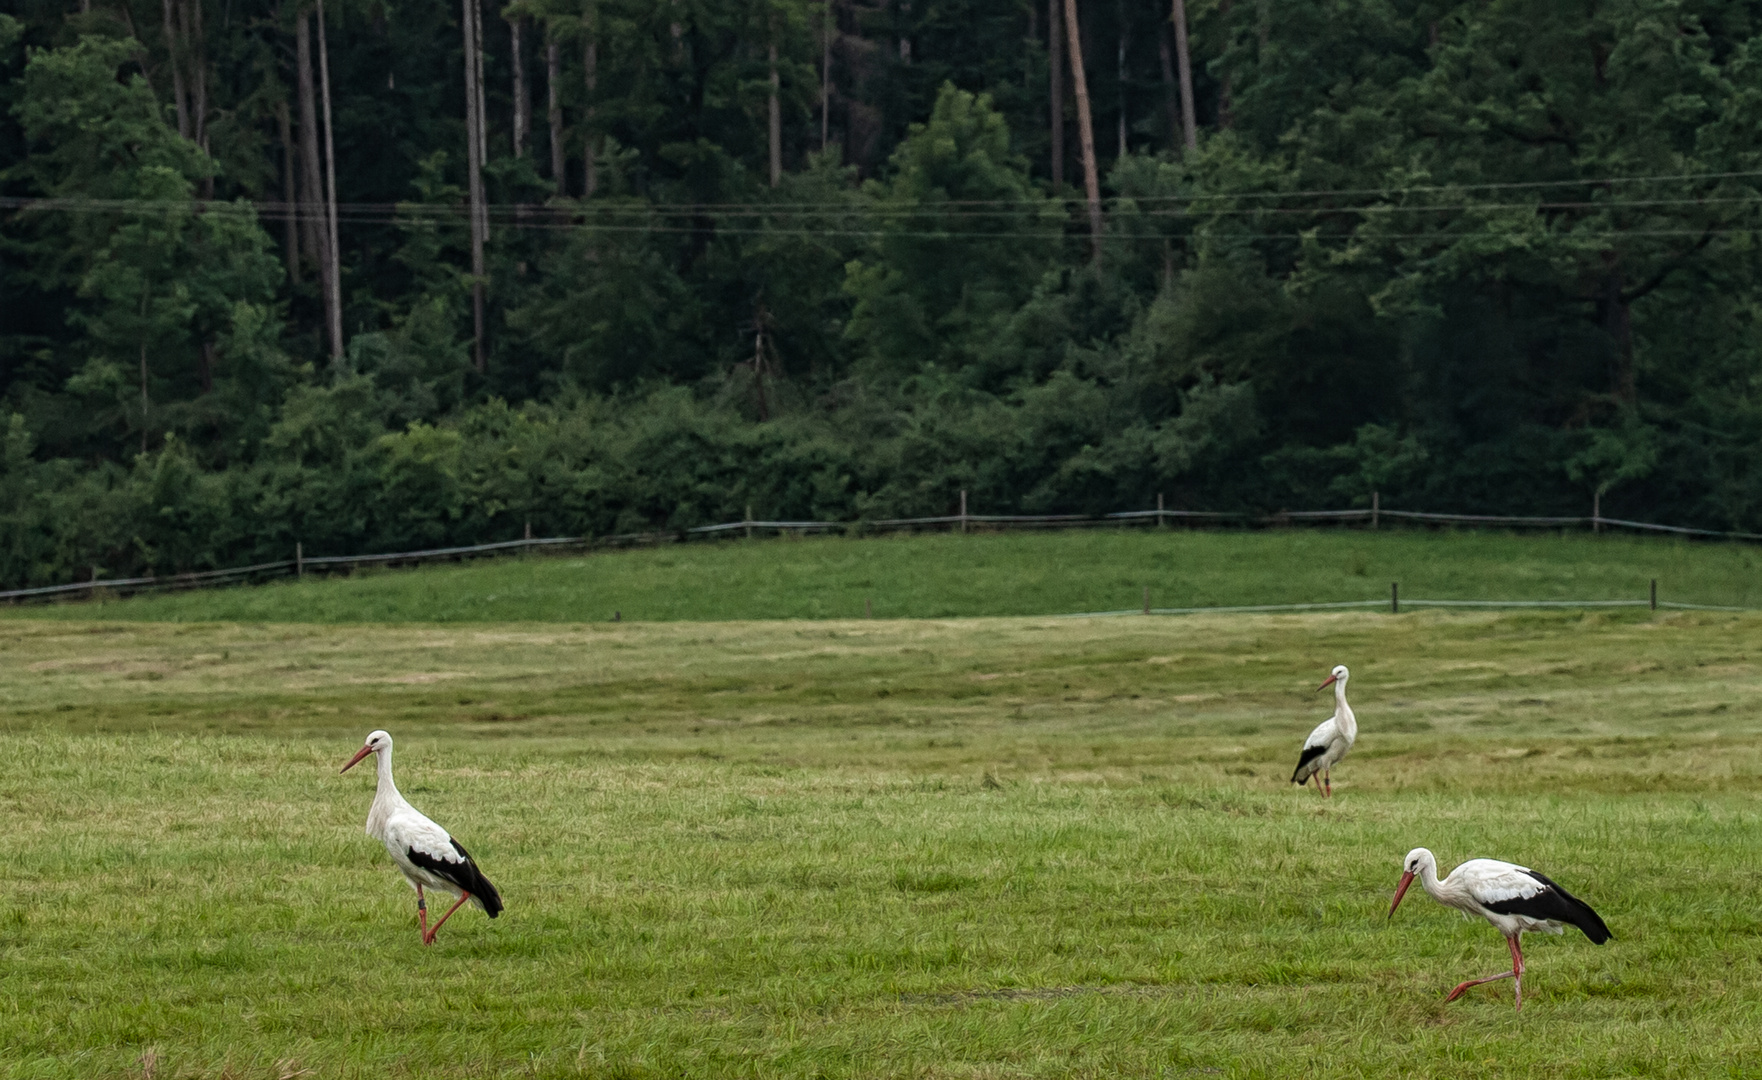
(199, 73)
(522, 99)
(1189, 126)
(196, 54)
(1120, 73)
(474, 172)
(826, 32)
(333, 264)
(554, 112)
(761, 320)
(1056, 86)
(1085, 131)
(482, 105)
(144, 400)
(1171, 98)
(290, 217)
(590, 59)
(311, 209)
(774, 117)
(174, 58)
(1225, 97)
(482, 129)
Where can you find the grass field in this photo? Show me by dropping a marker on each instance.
(944, 576)
(982, 848)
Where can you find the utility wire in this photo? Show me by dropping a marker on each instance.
(541, 215)
(1055, 231)
(950, 206)
(1058, 235)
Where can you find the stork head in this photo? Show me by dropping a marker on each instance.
(1338, 675)
(376, 741)
(1415, 863)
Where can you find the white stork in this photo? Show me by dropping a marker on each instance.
(425, 852)
(1513, 898)
(1330, 740)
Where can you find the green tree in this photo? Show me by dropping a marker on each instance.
(161, 282)
(962, 239)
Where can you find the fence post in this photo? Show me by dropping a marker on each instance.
(1161, 522)
(868, 607)
(1654, 594)
(529, 529)
(1146, 599)
(1376, 507)
(749, 521)
(963, 510)
(1394, 598)
(299, 559)
(1597, 511)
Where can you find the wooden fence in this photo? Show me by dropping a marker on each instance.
(302, 564)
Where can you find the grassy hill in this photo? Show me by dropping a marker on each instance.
(1035, 848)
(943, 575)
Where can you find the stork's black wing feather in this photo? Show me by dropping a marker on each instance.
(464, 874)
(1555, 903)
(1310, 753)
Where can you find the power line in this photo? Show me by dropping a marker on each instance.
(649, 218)
(279, 210)
(1122, 207)
(653, 218)
(1056, 232)
(1057, 235)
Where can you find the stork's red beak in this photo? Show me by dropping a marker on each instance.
(356, 760)
(1332, 679)
(1400, 891)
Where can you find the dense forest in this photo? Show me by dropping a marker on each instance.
(375, 274)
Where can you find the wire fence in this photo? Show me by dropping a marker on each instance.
(1343, 605)
(964, 522)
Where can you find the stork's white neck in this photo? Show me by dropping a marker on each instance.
(386, 797)
(1343, 716)
(1428, 878)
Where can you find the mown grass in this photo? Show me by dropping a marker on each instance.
(1015, 847)
(946, 576)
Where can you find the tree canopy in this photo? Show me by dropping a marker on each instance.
(831, 259)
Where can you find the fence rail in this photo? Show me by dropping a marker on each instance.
(963, 522)
(1343, 605)
(432, 553)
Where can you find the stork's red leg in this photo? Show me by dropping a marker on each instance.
(1515, 974)
(1327, 783)
(428, 936)
(422, 912)
(1461, 987)
(1517, 969)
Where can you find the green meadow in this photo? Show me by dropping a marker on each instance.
(1005, 847)
(933, 576)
